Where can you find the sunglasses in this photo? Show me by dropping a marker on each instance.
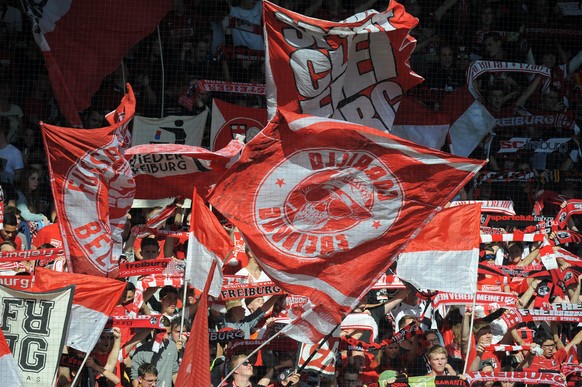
(246, 363)
(489, 257)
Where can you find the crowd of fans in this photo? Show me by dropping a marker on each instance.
(223, 40)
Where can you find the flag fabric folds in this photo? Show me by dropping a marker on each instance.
(185, 130)
(169, 170)
(9, 373)
(208, 242)
(93, 301)
(93, 189)
(318, 199)
(80, 50)
(229, 120)
(34, 325)
(355, 70)
(449, 242)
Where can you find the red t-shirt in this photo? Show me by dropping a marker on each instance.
(553, 363)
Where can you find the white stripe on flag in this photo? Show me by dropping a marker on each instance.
(9, 374)
(85, 327)
(439, 270)
(199, 261)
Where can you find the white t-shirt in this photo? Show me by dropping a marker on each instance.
(14, 115)
(10, 161)
(252, 17)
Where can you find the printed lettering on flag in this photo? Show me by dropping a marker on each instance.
(324, 361)
(35, 326)
(315, 195)
(230, 120)
(170, 170)
(185, 130)
(93, 188)
(81, 51)
(355, 70)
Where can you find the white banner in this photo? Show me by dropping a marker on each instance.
(35, 325)
(186, 130)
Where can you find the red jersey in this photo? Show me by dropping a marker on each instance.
(553, 363)
(50, 234)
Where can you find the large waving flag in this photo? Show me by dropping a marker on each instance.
(84, 41)
(169, 170)
(355, 70)
(34, 325)
(230, 121)
(320, 199)
(8, 368)
(208, 242)
(93, 188)
(93, 302)
(433, 260)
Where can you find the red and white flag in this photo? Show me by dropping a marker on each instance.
(433, 260)
(9, 373)
(419, 124)
(169, 170)
(34, 324)
(355, 70)
(230, 121)
(185, 130)
(93, 302)
(93, 189)
(470, 121)
(318, 199)
(208, 242)
(84, 41)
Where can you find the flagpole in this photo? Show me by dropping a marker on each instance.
(163, 73)
(80, 369)
(470, 332)
(210, 275)
(249, 355)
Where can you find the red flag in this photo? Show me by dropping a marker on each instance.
(168, 170)
(195, 367)
(208, 243)
(230, 120)
(84, 41)
(93, 302)
(417, 123)
(320, 199)
(93, 189)
(355, 70)
(9, 373)
(451, 240)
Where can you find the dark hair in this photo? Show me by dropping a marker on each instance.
(539, 339)
(168, 289)
(493, 34)
(149, 242)
(4, 125)
(147, 368)
(10, 219)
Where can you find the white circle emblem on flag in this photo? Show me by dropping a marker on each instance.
(319, 202)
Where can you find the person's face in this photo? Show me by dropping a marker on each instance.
(549, 348)
(150, 252)
(148, 380)
(129, 296)
(9, 232)
(105, 342)
(95, 120)
(6, 248)
(446, 57)
(437, 362)
(245, 369)
(358, 360)
(496, 99)
(392, 351)
(549, 60)
(492, 47)
(33, 180)
(28, 137)
(169, 302)
(550, 100)
(432, 339)
(175, 333)
(515, 251)
(487, 17)
(202, 51)
(349, 380)
(484, 336)
(255, 304)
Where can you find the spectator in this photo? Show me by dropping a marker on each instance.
(548, 358)
(243, 372)
(437, 360)
(11, 111)
(235, 315)
(244, 23)
(10, 156)
(29, 198)
(9, 231)
(147, 375)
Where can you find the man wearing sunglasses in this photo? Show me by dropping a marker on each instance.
(244, 372)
